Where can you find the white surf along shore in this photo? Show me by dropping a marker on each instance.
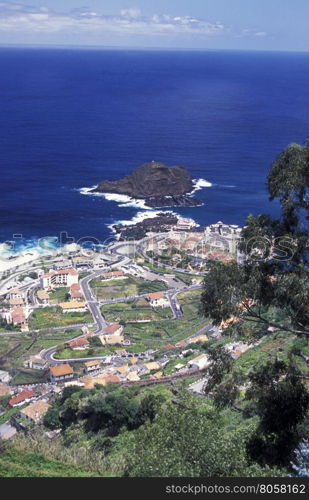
(34, 250)
(148, 213)
(126, 201)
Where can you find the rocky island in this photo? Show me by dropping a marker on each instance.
(159, 185)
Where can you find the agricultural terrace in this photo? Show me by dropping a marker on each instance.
(127, 287)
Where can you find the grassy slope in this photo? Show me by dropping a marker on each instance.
(15, 463)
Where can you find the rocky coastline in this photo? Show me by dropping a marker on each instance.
(158, 185)
(162, 222)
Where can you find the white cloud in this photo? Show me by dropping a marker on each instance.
(253, 33)
(18, 18)
(131, 13)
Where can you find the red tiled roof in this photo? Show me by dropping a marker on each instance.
(112, 328)
(18, 315)
(76, 291)
(60, 370)
(156, 295)
(22, 396)
(79, 342)
(71, 271)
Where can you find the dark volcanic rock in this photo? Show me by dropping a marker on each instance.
(163, 222)
(159, 185)
(181, 200)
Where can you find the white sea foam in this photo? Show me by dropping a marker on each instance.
(126, 201)
(16, 253)
(139, 217)
(200, 184)
(122, 199)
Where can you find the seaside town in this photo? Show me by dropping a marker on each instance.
(127, 315)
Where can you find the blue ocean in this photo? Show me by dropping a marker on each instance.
(71, 118)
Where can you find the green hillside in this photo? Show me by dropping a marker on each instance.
(15, 463)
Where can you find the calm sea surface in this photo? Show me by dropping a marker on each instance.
(71, 118)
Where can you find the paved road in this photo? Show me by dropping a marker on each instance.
(93, 304)
(122, 250)
(31, 294)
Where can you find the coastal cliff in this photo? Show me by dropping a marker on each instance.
(156, 183)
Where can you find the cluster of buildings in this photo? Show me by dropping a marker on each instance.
(63, 277)
(60, 277)
(18, 311)
(30, 405)
(236, 349)
(218, 241)
(223, 236)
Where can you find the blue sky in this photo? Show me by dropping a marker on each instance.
(201, 24)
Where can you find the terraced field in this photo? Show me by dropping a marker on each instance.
(127, 287)
(53, 317)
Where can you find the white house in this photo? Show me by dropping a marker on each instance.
(113, 329)
(73, 306)
(61, 372)
(113, 275)
(92, 366)
(61, 277)
(42, 296)
(158, 299)
(35, 411)
(15, 293)
(37, 363)
(184, 224)
(64, 264)
(199, 363)
(5, 377)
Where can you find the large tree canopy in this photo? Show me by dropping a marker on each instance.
(274, 269)
(288, 180)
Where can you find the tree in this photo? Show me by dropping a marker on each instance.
(149, 408)
(288, 180)
(269, 289)
(95, 341)
(110, 412)
(184, 440)
(221, 364)
(275, 269)
(281, 400)
(51, 418)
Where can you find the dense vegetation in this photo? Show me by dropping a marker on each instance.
(253, 418)
(269, 291)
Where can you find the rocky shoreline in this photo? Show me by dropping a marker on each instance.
(158, 185)
(163, 222)
(172, 201)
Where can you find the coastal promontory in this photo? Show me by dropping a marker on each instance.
(156, 183)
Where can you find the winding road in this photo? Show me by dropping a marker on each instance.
(125, 252)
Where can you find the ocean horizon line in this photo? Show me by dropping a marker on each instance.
(134, 48)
